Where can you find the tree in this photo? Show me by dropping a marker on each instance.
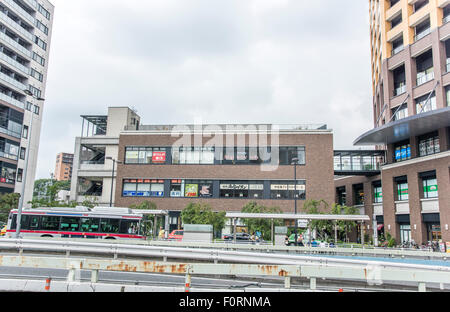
(197, 213)
(46, 191)
(7, 203)
(345, 226)
(262, 225)
(323, 228)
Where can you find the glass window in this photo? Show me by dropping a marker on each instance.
(402, 152)
(145, 155)
(50, 223)
(109, 225)
(205, 189)
(279, 190)
(157, 188)
(429, 144)
(377, 194)
(176, 188)
(89, 224)
(129, 188)
(430, 188)
(190, 189)
(402, 191)
(70, 224)
(256, 190)
(129, 227)
(226, 190)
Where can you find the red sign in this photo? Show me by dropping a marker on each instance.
(159, 157)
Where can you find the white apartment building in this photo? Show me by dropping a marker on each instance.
(25, 33)
(92, 172)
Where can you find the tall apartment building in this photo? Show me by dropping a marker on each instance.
(25, 33)
(410, 198)
(63, 167)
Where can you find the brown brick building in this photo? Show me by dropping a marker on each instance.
(63, 167)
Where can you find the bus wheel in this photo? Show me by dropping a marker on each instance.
(110, 238)
(46, 236)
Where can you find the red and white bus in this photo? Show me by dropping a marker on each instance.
(82, 222)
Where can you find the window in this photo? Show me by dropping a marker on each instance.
(425, 103)
(42, 27)
(145, 155)
(430, 188)
(420, 4)
(176, 188)
(397, 45)
(192, 155)
(22, 152)
(19, 175)
(287, 154)
(50, 223)
(286, 189)
(25, 132)
(70, 224)
(234, 189)
(109, 225)
(35, 91)
(38, 58)
(377, 194)
(429, 144)
(28, 106)
(40, 43)
(36, 110)
(396, 21)
(37, 75)
(7, 173)
(400, 112)
(402, 151)
(402, 191)
(128, 227)
(256, 189)
(89, 224)
(143, 188)
(359, 194)
(44, 12)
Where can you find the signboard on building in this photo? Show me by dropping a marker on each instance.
(159, 157)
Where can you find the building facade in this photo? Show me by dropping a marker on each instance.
(63, 167)
(410, 197)
(25, 35)
(224, 166)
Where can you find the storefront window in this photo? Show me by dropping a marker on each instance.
(429, 144)
(286, 190)
(143, 188)
(405, 233)
(402, 152)
(145, 155)
(236, 189)
(402, 191)
(256, 190)
(430, 188)
(176, 188)
(377, 194)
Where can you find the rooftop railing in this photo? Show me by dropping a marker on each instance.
(238, 127)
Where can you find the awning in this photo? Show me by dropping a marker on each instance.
(405, 128)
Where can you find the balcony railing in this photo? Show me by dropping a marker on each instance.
(20, 11)
(10, 22)
(446, 19)
(12, 82)
(11, 100)
(14, 63)
(448, 65)
(422, 77)
(422, 34)
(15, 44)
(10, 133)
(400, 90)
(397, 50)
(8, 156)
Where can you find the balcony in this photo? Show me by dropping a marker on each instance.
(9, 156)
(21, 12)
(14, 45)
(425, 76)
(400, 90)
(422, 34)
(11, 100)
(430, 205)
(25, 70)
(19, 29)
(12, 82)
(397, 50)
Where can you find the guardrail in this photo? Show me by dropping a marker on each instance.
(372, 274)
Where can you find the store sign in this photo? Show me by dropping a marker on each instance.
(448, 247)
(191, 190)
(234, 186)
(205, 190)
(256, 187)
(159, 157)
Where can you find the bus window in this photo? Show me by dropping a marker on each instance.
(24, 221)
(129, 227)
(50, 223)
(34, 222)
(89, 224)
(70, 224)
(109, 225)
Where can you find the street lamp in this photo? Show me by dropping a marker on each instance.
(112, 177)
(295, 162)
(25, 169)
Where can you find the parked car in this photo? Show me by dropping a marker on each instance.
(240, 237)
(176, 235)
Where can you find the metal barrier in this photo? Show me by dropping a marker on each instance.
(260, 256)
(373, 275)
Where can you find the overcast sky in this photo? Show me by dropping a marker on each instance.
(223, 61)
